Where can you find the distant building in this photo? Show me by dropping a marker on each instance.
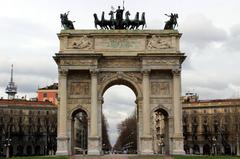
(211, 126)
(49, 93)
(27, 127)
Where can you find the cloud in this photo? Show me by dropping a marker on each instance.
(233, 44)
(201, 32)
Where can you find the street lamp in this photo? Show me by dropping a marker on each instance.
(214, 145)
(7, 145)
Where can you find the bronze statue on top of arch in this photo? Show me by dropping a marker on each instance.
(119, 22)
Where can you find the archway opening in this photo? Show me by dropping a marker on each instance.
(160, 131)
(120, 111)
(79, 132)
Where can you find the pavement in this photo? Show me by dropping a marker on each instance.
(113, 156)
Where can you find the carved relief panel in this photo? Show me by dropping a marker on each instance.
(157, 42)
(160, 88)
(79, 88)
(83, 43)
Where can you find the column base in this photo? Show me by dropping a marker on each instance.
(146, 145)
(177, 144)
(94, 146)
(62, 146)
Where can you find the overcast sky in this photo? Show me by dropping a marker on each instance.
(211, 41)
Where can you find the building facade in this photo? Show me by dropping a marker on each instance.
(49, 93)
(27, 128)
(211, 126)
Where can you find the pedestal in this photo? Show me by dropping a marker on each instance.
(178, 146)
(146, 145)
(62, 146)
(94, 146)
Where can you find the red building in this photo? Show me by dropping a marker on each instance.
(49, 93)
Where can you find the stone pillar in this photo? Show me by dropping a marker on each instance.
(62, 139)
(94, 142)
(177, 109)
(146, 139)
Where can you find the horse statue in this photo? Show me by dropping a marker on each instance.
(143, 21)
(135, 23)
(119, 22)
(67, 24)
(172, 23)
(105, 23)
(127, 21)
(97, 22)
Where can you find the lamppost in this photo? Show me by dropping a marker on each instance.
(162, 145)
(7, 145)
(214, 145)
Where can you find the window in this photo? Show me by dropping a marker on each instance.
(225, 110)
(44, 95)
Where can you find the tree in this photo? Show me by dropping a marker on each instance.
(127, 139)
(106, 146)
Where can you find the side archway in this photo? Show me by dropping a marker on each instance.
(79, 130)
(160, 119)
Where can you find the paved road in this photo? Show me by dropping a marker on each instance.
(115, 156)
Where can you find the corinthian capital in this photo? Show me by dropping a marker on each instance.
(94, 71)
(63, 72)
(176, 71)
(146, 71)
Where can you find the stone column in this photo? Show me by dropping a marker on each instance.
(146, 139)
(94, 142)
(177, 109)
(62, 139)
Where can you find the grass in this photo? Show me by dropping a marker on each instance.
(206, 157)
(40, 157)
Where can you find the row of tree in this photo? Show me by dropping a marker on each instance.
(127, 139)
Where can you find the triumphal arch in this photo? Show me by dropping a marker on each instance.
(147, 61)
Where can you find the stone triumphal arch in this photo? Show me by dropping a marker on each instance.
(147, 61)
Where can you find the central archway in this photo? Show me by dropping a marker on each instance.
(120, 113)
(131, 86)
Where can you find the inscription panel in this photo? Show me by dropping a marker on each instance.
(161, 61)
(77, 62)
(120, 43)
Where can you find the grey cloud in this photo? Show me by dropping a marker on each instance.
(200, 31)
(233, 43)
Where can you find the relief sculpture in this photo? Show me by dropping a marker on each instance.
(82, 43)
(160, 88)
(157, 42)
(79, 88)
